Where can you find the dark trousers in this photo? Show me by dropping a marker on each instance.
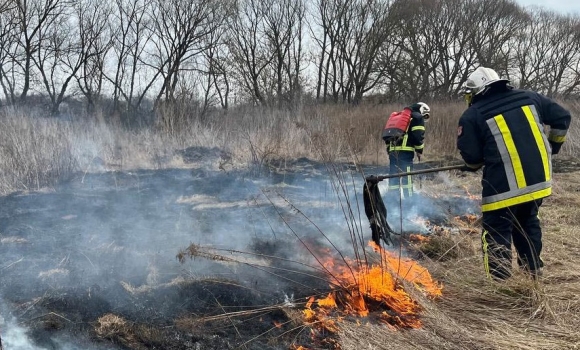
(401, 162)
(518, 224)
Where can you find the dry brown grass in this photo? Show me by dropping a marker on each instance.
(37, 151)
(127, 334)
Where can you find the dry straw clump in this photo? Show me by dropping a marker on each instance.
(126, 333)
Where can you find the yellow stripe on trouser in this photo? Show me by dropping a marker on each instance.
(539, 140)
(408, 186)
(557, 139)
(513, 152)
(485, 253)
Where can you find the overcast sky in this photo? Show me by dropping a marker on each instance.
(563, 6)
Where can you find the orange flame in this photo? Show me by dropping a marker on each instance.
(416, 238)
(366, 290)
(297, 347)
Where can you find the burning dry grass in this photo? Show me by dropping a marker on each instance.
(369, 308)
(378, 291)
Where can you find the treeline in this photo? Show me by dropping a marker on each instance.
(208, 54)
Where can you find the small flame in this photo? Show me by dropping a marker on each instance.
(416, 238)
(470, 195)
(297, 347)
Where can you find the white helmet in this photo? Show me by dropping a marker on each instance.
(481, 78)
(478, 81)
(424, 110)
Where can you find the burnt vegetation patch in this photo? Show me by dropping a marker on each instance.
(204, 314)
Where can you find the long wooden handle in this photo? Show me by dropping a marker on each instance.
(414, 172)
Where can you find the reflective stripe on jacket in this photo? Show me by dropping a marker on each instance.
(504, 132)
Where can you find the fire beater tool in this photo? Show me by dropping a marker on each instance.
(378, 178)
(375, 209)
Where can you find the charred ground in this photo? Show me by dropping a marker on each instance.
(104, 245)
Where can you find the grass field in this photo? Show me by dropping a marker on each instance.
(473, 313)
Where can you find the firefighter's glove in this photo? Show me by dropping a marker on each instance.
(418, 156)
(372, 180)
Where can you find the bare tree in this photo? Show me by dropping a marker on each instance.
(57, 44)
(216, 83)
(34, 18)
(180, 28)
(95, 41)
(332, 78)
(368, 29)
(131, 34)
(493, 24)
(547, 53)
(563, 57)
(10, 56)
(219, 73)
(283, 29)
(250, 57)
(7, 44)
(446, 28)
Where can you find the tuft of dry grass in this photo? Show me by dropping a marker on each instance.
(126, 333)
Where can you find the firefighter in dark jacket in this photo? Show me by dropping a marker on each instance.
(503, 132)
(402, 152)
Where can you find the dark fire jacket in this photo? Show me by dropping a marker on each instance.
(503, 131)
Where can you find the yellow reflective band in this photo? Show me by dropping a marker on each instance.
(539, 140)
(420, 147)
(485, 254)
(557, 139)
(401, 148)
(511, 148)
(418, 128)
(528, 197)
